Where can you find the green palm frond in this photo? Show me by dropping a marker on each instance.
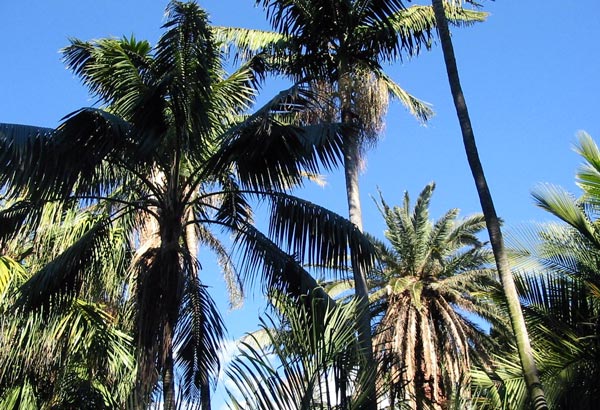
(268, 153)
(72, 155)
(230, 273)
(563, 205)
(64, 275)
(318, 237)
(248, 42)
(114, 70)
(466, 230)
(12, 274)
(198, 338)
(234, 94)
(414, 26)
(308, 363)
(259, 256)
(416, 107)
(338, 288)
(588, 176)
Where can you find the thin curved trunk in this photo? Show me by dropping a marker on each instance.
(493, 225)
(351, 172)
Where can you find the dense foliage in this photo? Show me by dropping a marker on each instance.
(103, 223)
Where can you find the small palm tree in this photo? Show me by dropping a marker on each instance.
(303, 359)
(429, 283)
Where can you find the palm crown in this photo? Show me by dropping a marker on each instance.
(431, 268)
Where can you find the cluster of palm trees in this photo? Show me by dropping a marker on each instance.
(101, 296)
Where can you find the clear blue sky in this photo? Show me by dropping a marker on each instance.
(530, 76)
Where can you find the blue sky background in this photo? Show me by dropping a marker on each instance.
(530, 76)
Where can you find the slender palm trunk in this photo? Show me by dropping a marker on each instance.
(169, 399)
(493, 225)
(351, 171)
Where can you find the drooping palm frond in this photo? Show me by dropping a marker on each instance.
(278, 269)
(229, 270)
(54, 163)
(318, 237)
(198, 338)
(65, 274)
(418, 108)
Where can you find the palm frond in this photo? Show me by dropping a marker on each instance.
(65, 274)
(198, 337)
(316, 235)
(247, 42)
(267, 153)
(279, 270)
(115, 70)
(563, 205)
(308, 362)
(416, 107)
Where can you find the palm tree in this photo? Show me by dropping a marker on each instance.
(338, 47)
(298, 360)
(558, 283)
(429, 283)
(565, 299)
(66, 352)
(170, 157)
(492, 222)
(294, 360)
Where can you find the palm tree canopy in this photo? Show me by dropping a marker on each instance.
(429, 271)
(314, 40)
(316, 36)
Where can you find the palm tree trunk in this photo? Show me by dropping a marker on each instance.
(530, 371)
(169, 400)
(351, 171)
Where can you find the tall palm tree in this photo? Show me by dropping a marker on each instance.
(492, 222)
(338, 47)
(558, 283)
(431, 277)
(172, 156)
